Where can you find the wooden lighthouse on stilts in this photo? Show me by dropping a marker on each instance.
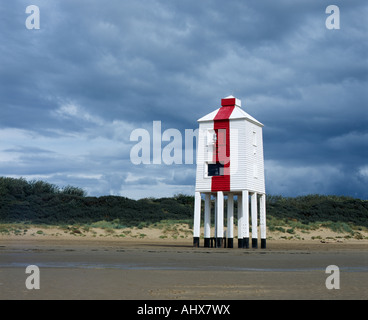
(230, 165)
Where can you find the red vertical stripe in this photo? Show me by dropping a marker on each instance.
(222, 154)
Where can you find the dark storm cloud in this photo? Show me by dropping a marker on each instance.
(76, 88)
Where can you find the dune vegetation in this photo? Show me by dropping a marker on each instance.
(39, 203)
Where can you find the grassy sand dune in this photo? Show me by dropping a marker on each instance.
(171, 230)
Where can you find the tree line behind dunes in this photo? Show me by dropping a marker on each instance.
(40, 202)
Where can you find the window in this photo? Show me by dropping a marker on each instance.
(254, 138)
(210, 144)
(255, 171)
(215, 169)
(211, 137)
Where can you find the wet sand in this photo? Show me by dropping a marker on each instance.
(92, 269)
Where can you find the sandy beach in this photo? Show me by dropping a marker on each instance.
(156, 267)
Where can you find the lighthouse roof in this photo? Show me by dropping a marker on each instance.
(230, 110)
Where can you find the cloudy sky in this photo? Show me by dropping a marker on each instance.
(72, 92)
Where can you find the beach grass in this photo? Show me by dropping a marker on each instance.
(182, 229)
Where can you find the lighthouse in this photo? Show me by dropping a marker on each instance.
(230, 166)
